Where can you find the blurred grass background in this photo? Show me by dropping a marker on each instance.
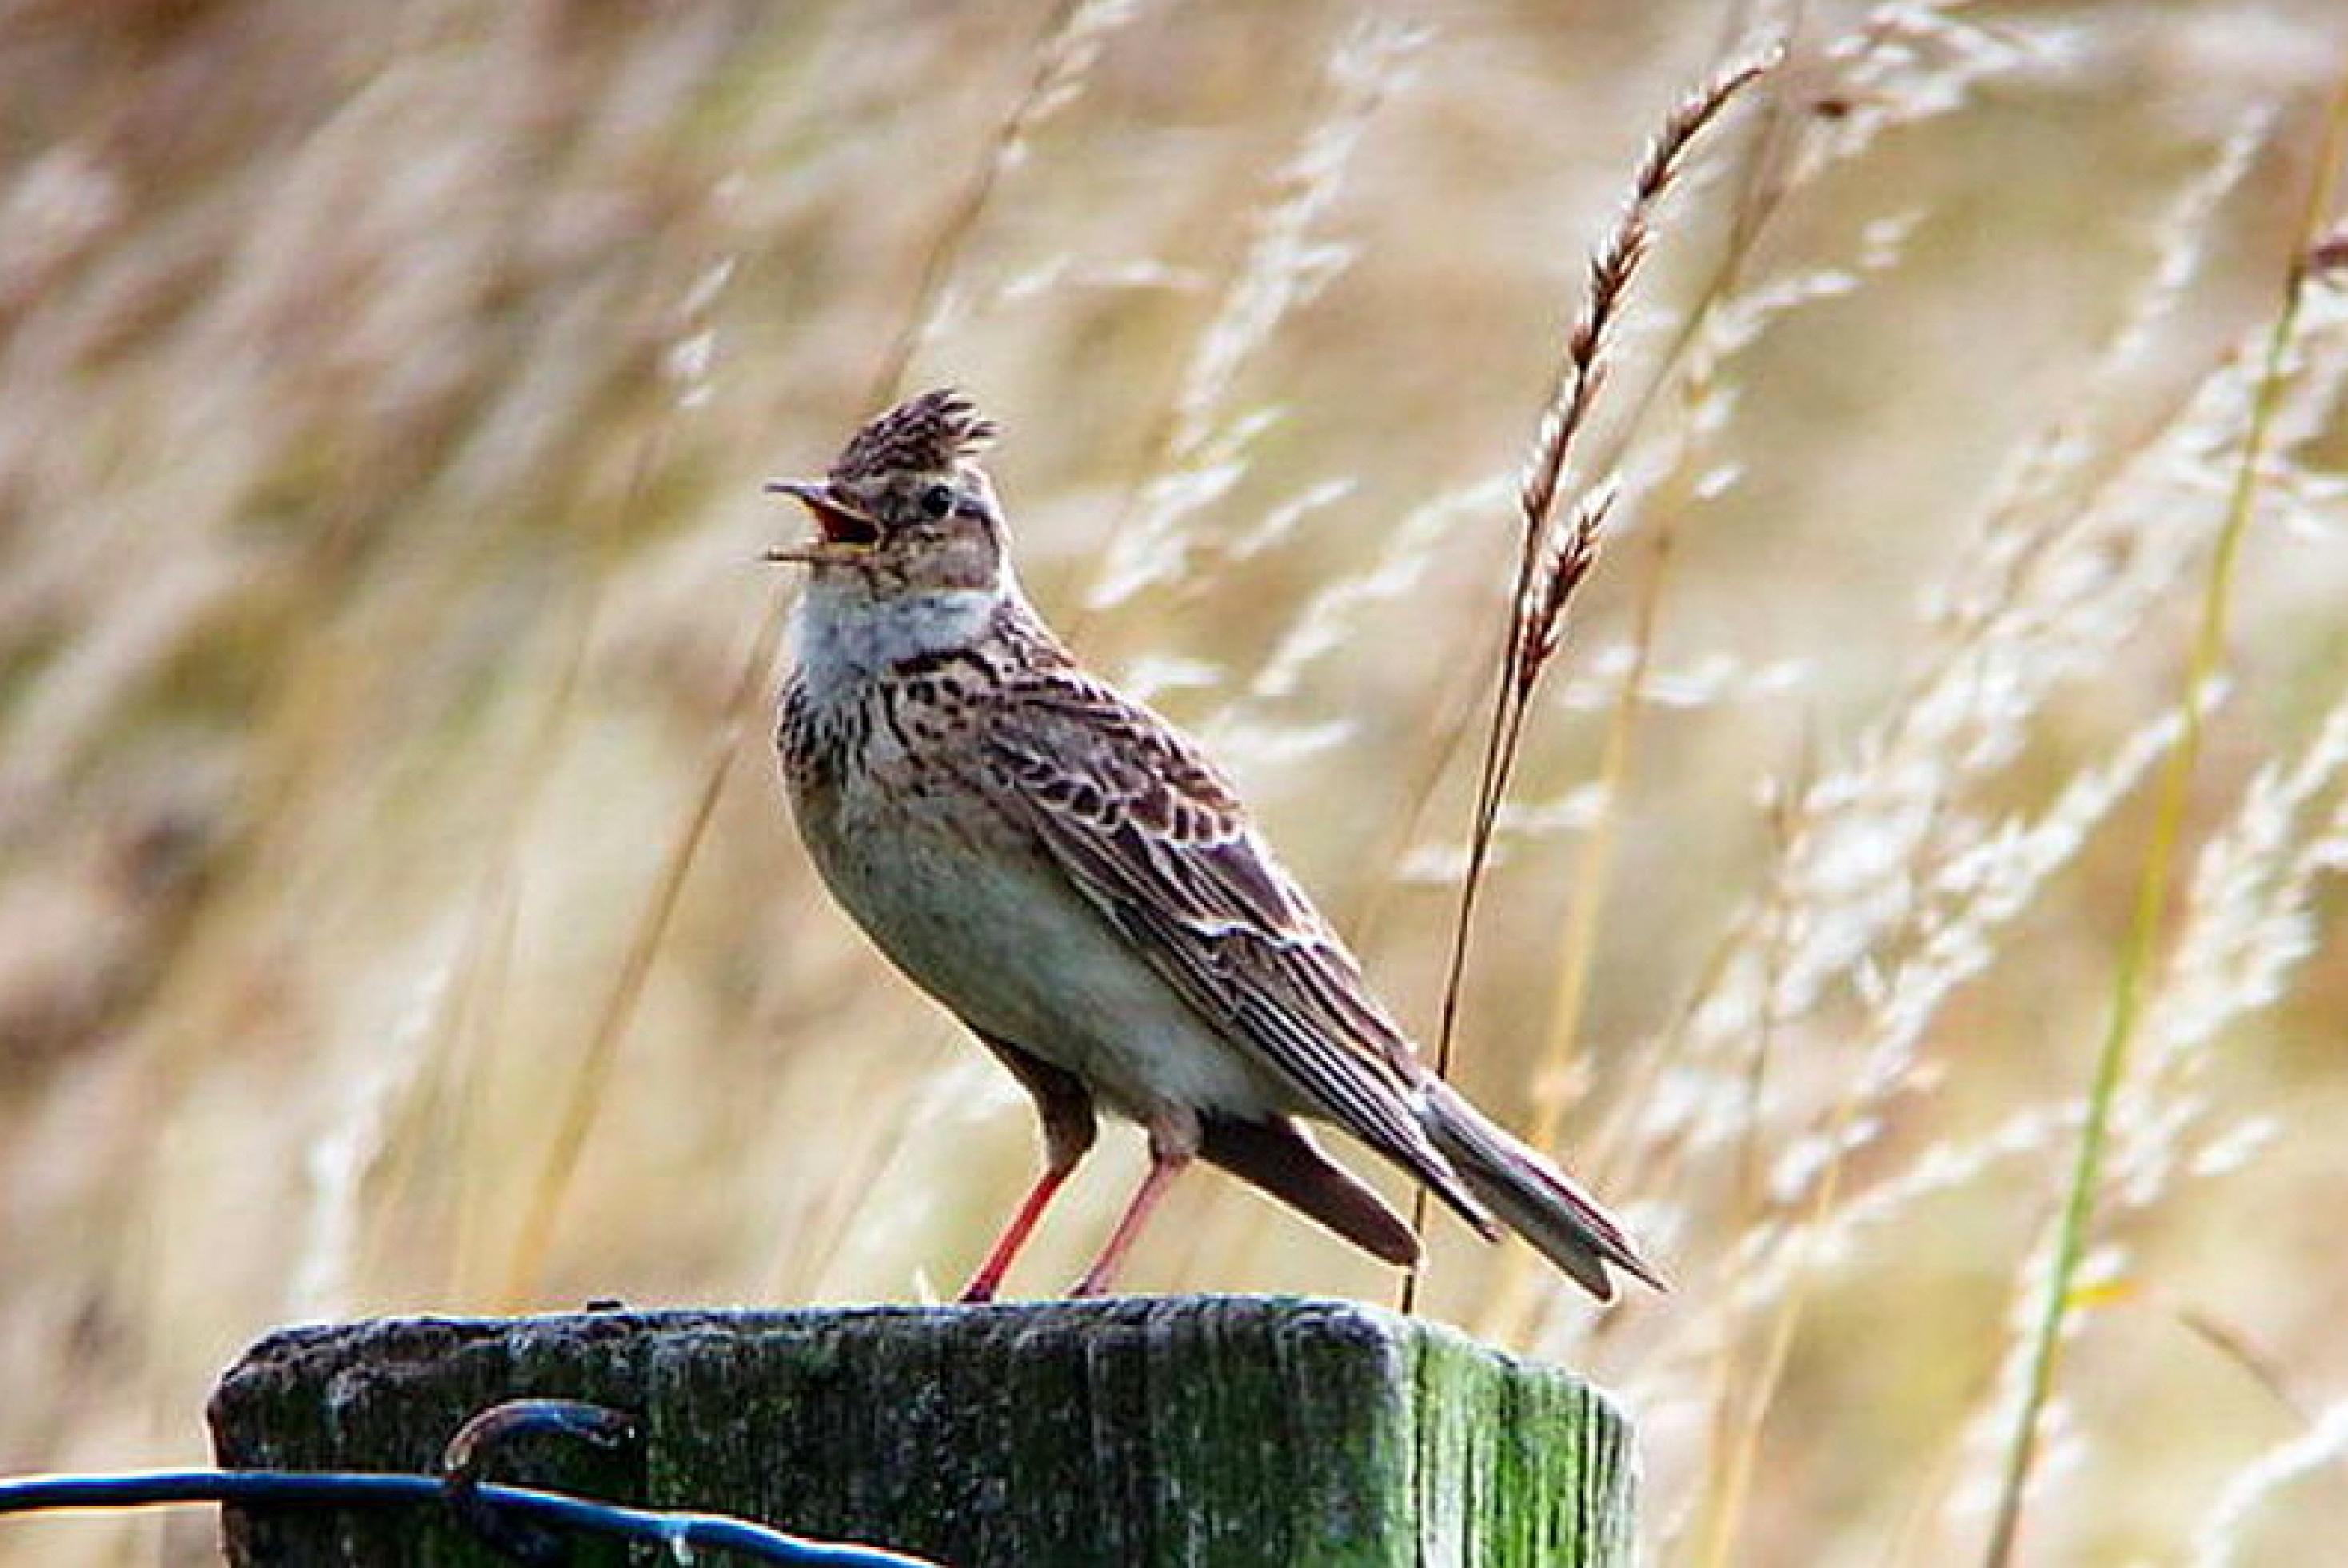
(387, 392)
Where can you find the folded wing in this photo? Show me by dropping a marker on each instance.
(1151, 836)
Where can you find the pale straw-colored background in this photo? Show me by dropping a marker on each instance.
(385, 392)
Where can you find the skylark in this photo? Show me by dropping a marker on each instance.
(1071, 876)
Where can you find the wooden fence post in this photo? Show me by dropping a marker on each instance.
(1186, 1430)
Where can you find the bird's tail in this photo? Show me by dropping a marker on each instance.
(1531, 1196)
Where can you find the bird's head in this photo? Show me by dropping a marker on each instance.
(905, 508)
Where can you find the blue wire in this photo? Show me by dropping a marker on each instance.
(137, 1488)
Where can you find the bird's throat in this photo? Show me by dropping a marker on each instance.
(846, 634)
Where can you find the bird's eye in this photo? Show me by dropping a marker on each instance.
(938, 500)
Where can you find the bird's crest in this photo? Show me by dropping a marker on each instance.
(921, 435)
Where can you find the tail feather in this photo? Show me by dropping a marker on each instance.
(1281, 1158)
(1532, 1196)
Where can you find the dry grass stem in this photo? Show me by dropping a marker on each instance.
(1552, 562)
(1200, 447)
(2137, 956)
(1078, 31)
(1553, 557)
(584, 1093)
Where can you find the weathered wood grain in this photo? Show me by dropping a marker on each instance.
(1190, 1429)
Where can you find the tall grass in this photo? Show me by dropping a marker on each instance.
(1557, 544)
(2135, 955)
(399, 913)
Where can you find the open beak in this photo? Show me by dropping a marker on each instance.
(846, 531)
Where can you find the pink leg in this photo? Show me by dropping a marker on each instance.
(983, 1284)
(1164, 1166)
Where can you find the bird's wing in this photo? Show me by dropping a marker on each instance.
(1149, 833)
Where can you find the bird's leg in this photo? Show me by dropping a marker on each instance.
(1170, 1148)
(1065, 1108)
(983, 1284)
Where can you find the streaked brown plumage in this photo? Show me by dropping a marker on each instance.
(1074, 878)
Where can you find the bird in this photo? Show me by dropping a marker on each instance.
(1075, 880)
